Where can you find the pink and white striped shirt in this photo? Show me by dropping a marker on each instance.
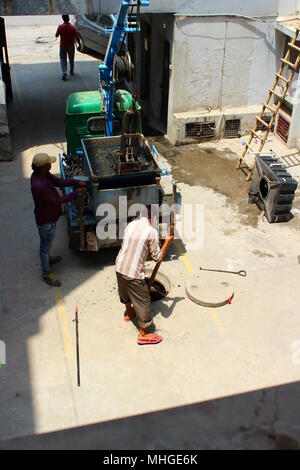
(140, 238)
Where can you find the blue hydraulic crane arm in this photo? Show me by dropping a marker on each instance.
(107, 83)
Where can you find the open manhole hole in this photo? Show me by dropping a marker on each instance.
(161, 286)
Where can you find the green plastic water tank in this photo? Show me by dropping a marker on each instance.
(85, 117)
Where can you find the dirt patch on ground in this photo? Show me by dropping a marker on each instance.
(212, 169)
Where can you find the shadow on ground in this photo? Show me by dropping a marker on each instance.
(244, 421)
(36, 118)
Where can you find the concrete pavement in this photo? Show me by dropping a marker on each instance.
(206, 355)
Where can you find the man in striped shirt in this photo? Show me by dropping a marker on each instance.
(140, 240)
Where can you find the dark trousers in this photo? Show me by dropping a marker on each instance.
(135, 292)
(64, 54)
(47, 234)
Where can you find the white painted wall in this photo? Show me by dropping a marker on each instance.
(242, 7)
(288, 7)
(294, 133)
(211, 71)
(256, 8)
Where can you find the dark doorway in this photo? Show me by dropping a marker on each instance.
(4, 62)
(165, 83)
(131, 46)
(145, 60)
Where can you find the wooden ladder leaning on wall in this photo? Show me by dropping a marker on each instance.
(268, 106)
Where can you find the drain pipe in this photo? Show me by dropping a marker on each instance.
(228, 15)
(223, 66)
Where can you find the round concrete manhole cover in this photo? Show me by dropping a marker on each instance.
(210, 289)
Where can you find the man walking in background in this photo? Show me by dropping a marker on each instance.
(68, 36)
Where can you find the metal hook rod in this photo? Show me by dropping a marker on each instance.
(242, 272)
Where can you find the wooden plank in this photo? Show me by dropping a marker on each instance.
(263, 122)
(275, 93)
(271, 108)
(257, 135)
(241, 160)
(282, 78)
(249, 177)
(294, 46)
(250, 148)
(290, 64)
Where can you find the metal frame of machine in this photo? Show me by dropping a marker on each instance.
(82, 215)
(122, 26)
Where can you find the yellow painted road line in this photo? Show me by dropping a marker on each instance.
(184, 257)
(189, 267)
(217, 321)
(67, 339)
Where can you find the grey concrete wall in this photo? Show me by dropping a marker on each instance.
(176, 130)
(293, 94)
(254, 8)
(5, 142)
(220, 63)
(294, 134)
(45, 7)
(288, 7)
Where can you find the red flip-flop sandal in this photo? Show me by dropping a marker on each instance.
(156, 340)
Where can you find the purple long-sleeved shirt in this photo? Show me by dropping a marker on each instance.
(46, 198)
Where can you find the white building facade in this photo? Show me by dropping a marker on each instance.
(205, 66)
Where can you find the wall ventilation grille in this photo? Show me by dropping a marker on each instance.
(232, 128)
(261, 127)
(282, 128)
(200, 130)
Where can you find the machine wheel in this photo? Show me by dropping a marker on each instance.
(81, 47)
(124, 68)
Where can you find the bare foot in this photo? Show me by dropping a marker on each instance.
(129, 313)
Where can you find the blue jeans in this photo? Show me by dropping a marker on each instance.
(47, 234)
(64, 54)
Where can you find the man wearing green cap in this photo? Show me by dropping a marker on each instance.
(48, 208)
